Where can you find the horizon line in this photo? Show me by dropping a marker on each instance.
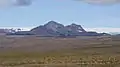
(94, 29)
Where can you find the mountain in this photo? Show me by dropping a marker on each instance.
(53, 28)
(75, 28)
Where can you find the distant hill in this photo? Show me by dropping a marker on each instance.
(5, 31)
(53, 28)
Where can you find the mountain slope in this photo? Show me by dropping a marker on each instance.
(53, 28)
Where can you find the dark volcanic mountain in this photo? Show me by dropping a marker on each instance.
(75, 28)
(53, 28)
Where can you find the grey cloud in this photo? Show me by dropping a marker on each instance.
(4, 3)
(101, 2)
(23, 2)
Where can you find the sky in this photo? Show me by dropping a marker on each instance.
(91, 15)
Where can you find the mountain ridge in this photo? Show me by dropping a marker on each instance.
(53, 28)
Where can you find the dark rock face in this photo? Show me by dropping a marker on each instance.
(75, 28)
(41, 30)
(56, 29)
(52, 25)
(53, 28)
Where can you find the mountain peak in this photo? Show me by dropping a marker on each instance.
(75, 27)
(52, 25)
(52, 22)
(73, 24)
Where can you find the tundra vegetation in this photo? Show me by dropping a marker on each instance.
(83, 51)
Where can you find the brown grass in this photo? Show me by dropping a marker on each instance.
(59, 52)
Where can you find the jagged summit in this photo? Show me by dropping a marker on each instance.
(51, 22)
(55, 28)
(73, 24)
(52, 25)
(76, 28)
